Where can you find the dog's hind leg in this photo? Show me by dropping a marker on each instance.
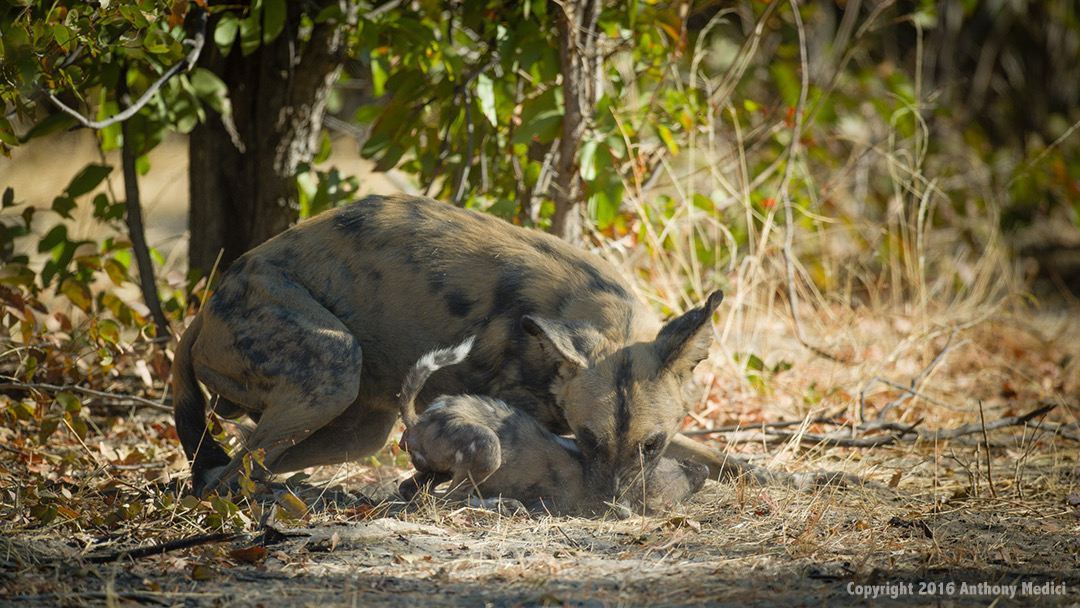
(361, 430)
(271, 348)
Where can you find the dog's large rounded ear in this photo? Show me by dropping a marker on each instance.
(684, 341)
(567, 342)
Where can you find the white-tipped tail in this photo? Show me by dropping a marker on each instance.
(441, 357)
(427, 365)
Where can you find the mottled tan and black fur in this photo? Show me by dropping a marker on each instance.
(311, 335)
(492, 453)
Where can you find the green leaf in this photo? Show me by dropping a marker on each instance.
(485, 93)
(331, 12)
(63, 205)
(87, 180)
(52, 124)
(532, 173)
(7, 133)
(326, 148)
(379, 75)
(367, 113)
(604, 203)
(77, 293)
(157, 42)
(250, 34)
(69, 401)
(704, 203)
(55, 237)
(750, 361)
(78, 425)
(225, 32)
(543, 127)
(109, 331)
(274, 13)
(42, 512)
(116, 271)
(63, 36)
(209, 88)
(669, 141)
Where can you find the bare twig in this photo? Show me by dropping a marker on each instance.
(184, 65)
(857, 437)
(837, 440)
(108, 597)
(969, 429)
(917, 380)
(147, 551)
(911, 390)
(27, 386)
(824, 418)
(986, 445)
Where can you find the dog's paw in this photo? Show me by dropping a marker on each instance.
(421, 481)
(507, 506)
(408, 488)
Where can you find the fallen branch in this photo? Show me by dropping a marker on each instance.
(151, 550)
(725, 465)
(857, 437)
(843, 439)
(733, 467)
(971, 429)
(27, 386)
(824, 418)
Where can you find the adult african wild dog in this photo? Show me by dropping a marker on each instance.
(311, 334)
(482, 445)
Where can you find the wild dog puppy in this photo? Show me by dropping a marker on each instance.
(311, 334)
(483, 446)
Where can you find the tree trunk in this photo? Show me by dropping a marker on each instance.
(242, 182)
(576, 29)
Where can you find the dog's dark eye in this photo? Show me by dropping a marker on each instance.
(587, 440)
(653, 445)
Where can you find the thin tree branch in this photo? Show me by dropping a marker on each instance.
(970, 429)
(855, 437)
(826, 418)
(183, 65)
(151, 550)
(135, 227)
(86, 391)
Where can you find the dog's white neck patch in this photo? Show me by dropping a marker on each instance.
(568, 444)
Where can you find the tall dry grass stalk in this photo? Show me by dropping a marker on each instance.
(868, 287)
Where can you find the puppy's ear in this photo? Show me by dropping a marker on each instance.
(684, 341)
(570, 343)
